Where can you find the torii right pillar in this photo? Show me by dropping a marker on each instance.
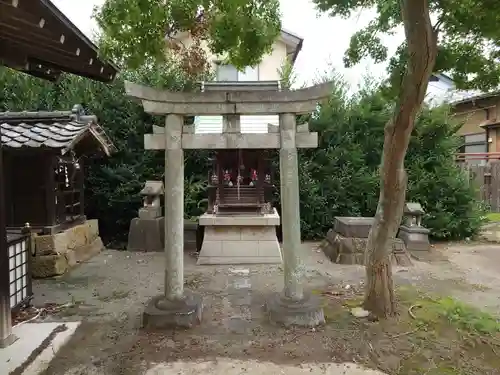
(292, 306)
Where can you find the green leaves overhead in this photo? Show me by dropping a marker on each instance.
(134, 31)
(468, 38)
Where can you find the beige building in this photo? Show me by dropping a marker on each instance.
(481, 118)
(286, 47)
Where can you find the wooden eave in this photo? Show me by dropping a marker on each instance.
(36, 38)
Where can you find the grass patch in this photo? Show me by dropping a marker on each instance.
(431, 335)
(493, 217)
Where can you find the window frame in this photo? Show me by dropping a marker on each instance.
(238, 73)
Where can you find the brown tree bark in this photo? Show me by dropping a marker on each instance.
(421, 39)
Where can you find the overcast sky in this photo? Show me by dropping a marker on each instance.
(325, 38)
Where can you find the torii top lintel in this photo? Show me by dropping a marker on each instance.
(158, 102)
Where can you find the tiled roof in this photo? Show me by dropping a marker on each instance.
(57, 130)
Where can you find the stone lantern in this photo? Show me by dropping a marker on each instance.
(413, 234)
(146, 231)
(413, 213)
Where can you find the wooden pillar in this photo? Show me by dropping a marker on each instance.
(260, 177)
(174, 208)
(50, 190)
(81, 186)
(6, 336)
(290, 212)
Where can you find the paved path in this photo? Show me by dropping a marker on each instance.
(223, 366)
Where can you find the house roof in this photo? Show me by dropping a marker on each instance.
(38, 39)
(52, 130)
(293, 43)
(476, 97)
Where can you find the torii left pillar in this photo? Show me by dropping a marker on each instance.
(176, 307)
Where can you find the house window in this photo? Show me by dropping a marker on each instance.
(230, 73)
(475, 143)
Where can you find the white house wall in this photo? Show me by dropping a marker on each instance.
(248, 124)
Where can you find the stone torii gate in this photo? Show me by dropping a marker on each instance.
(181, 307)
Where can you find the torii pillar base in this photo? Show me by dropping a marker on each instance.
(287, 312)
(161, 313)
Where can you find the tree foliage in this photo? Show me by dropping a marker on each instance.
(339, 178)
(463, 40)
(135, 31)
(467, 33)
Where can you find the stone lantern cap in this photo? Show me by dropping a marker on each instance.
(152, 188)
(412, 208)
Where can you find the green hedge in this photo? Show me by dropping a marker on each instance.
(338, 178)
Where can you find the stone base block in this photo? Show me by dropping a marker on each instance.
(344, 250)
(161, 313)
(149, 212)
(49, 265)
(240, 245)
(72, 238)
(190, 230)
(55, 265)
(84, 253)
(305, 313)
(353, 227)
(350, 250)
(415, 238)
(146, 234)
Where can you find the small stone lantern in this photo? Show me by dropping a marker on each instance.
(413, 213)
(413, 234)
(151, 192)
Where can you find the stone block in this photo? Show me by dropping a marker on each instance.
(286, 312)
(78, 236)
(240, 245)
(71, 258)
(51, 244)
(88, 251)
(224, 260)
(146, 235)
(348, 250)
(212, 248)
(415, 238)
(161, 313)
(257, 233)
(190, 229)
(150, 212)
(240, 220)
(357, 227)
(49, 265)
(93, 229)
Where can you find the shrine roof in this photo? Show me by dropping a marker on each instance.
(38, 39)
(61, 130)
(152, 188)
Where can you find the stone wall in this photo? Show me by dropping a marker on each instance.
(57, 253)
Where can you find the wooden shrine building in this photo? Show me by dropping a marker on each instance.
(36, 38)
(44, 155)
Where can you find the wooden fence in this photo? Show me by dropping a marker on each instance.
(486, 178)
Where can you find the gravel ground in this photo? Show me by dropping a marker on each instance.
(110, 291)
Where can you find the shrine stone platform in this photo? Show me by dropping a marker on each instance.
(240, 239)
(346, 242)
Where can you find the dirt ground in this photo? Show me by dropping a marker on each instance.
(110, 291)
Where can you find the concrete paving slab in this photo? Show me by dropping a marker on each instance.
(30, 338)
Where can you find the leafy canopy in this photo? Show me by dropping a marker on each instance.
(136, 31)
(467, 30)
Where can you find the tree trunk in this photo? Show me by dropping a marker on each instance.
(422, 50)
